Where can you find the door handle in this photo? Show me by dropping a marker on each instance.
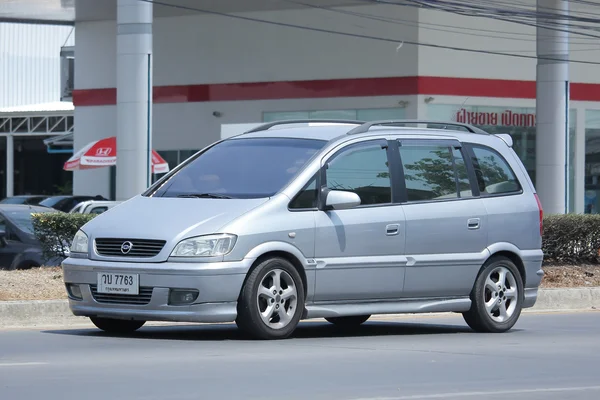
(392, 229)
(473, 223)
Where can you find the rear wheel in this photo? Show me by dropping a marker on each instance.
(348, 322)
(497, 297)
(272, 300)
(119, 326)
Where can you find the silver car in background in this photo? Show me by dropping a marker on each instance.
(340, 220)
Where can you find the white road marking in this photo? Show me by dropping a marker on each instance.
(22, 364)
(497, 393)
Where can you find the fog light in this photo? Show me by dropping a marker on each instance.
(182, 296)
(74, 291)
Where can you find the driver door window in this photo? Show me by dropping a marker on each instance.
(364, 170)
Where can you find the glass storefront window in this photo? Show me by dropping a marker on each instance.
(367, 114)
(519, 123)
(592, 162)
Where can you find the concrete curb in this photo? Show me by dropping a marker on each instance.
(57, 313)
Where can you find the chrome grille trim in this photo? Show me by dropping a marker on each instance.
(143, 298)
(111, 247)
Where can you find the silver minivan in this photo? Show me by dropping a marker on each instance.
(338, 220)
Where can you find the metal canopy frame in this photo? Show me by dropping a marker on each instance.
(58, 125)
(34, 124)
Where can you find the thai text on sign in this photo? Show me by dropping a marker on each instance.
(506, 118)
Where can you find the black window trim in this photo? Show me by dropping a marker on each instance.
(317, 177)
(469, 147)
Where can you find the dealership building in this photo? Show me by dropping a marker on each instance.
(216, 63)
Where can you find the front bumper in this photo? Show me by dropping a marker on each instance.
(218, 284)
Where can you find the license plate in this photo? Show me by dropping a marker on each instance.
(118, 283)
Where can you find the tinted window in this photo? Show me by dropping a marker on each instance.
(22, 219)
(362, 169)
(98, 210)
(494, 175)
(51, 201)
(429, 172)
(307, 197)
(242, 168)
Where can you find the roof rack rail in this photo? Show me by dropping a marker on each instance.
(269, 125)
(367, 126)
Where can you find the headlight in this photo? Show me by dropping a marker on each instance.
(205, 246)
(80, 243)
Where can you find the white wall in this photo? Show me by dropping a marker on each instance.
(30, 63)
(200, 49)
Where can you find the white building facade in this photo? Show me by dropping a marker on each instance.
(208, 70)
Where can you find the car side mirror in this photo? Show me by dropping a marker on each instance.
(341, 200)
(3, 241)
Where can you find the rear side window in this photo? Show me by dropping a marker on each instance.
(434, 172)
(494, 175)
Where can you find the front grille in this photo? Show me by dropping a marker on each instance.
(143, 298)
(139, 247)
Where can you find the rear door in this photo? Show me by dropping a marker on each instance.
(446, 223)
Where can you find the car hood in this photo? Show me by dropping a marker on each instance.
(170, 219)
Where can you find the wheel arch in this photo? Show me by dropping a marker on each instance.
(511, 252)
(281, 250)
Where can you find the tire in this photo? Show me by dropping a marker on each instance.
(348, 322)
(487, 287)
(285, 293)
(118, 326)
(27, 265)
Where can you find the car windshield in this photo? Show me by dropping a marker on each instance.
(52, 201)
(242, 168)
(22, 219)
(14, 200)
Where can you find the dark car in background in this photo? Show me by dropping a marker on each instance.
(67, 203)
(19, 248)
(29, 199)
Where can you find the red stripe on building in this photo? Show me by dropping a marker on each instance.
(437, 85)
(362, 87)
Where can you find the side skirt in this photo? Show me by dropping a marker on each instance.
(430, 305)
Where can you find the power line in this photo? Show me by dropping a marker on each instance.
(476, 10)
(472, 11)
(420, 24)
(425, 25)
(361, 36)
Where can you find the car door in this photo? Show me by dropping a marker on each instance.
(360, 251)
(446, 222)
(11, 246)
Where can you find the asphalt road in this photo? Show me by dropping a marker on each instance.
(546, 356)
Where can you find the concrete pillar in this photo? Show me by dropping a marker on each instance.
(10, 165)
(552, 108)
(134, 97)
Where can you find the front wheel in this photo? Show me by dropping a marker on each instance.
(497, 297)
(117, 326)
(272, 300)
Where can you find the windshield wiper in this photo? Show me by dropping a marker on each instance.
(205, 196)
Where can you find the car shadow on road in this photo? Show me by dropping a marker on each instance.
(306, 330)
